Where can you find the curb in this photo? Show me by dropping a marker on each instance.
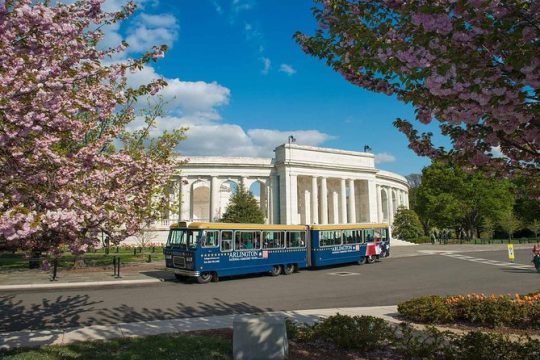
(22, 287)
(37, 338)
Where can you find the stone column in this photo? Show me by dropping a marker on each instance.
(352, 202)
(343, 201)
(184, 200)
(407, 200)
(391, 205)
(276, 194)
(269, 210)
(307, 207)
(335, 207)
(324, 201)
(243, 180)
(380, 205)
(214, 197)
(372, 201)
(293, 200)
(314, 201)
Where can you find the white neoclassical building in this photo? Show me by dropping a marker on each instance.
(300, 185)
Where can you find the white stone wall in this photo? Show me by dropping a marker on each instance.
(302, 184)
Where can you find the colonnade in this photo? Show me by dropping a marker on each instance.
(287, 199)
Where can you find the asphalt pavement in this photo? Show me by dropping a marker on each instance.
(410, 271)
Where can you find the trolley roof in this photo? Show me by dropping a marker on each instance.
(231, 226)
(347, 226)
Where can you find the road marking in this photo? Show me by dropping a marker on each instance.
(482, 260)
(343, 273)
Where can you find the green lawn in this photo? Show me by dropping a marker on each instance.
(9, 261)
(145, 348)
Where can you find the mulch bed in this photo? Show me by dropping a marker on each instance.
(313, 351)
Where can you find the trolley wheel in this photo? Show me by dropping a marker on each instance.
(204, 278)
(370, 259)
(276, 270)
(288, 269)
(362, 260)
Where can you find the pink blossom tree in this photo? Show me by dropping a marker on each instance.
(473, 66)
(70, 169)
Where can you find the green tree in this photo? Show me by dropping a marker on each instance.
(488, 228)
(452, 198)
(407, 226)
(509, 223)
(534, 226)
(243, 208)
(414, 181)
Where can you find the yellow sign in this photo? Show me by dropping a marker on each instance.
(511, 252)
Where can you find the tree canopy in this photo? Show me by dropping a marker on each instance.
(406, 224)
(473, 66)
(62, 110)
(448, 197)
(243, 208)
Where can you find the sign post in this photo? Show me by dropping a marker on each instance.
(511, 252)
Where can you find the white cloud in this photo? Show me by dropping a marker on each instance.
(384, 157)
(232, 140)
(288, 69)
(194, 100)
(266, 65)
(151, 30)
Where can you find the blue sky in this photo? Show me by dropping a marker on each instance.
(242, 85)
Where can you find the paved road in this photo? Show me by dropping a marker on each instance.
(386, 283)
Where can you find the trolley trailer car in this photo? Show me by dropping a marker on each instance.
(207, 251)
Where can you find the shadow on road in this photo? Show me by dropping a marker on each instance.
(64, 311)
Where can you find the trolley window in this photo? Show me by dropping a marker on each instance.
(273, 239)
(369, 235)
(181, 238)
(352, 236)
(329, 238)
(210, 239)
(377, 234)
(226, 240)
(384, 234)
(247, 240)
(296, 239)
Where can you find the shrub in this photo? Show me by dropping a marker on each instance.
(356, 332)
(480, 346)
(299, 332)
(520, 311)
(366, 333)
(428, 309)
(421, 240)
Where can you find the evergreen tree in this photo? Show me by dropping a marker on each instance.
(407, 226)
(243, 208)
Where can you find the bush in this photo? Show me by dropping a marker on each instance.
(357, 332)
(522, 311)
(366, 333)
(427, 309)
(479, 346)
(421, 240)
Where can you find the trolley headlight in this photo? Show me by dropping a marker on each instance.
(168, 257)
(189, 259)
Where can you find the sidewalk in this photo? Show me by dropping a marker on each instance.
(37, 338)
(35, 279)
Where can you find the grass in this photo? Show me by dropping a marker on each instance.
(192, 347)
(9, 261)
